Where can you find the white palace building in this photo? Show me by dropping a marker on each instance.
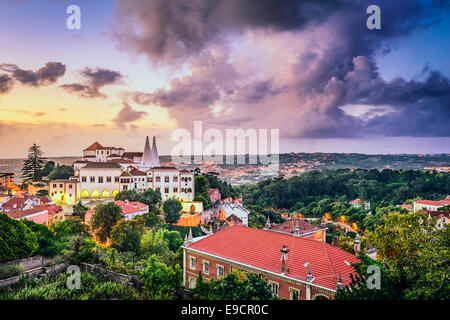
(105, 171)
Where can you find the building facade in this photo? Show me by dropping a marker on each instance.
(104, 172)
(294, 267)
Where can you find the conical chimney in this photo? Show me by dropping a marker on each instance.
(155, 156)
(146, 160)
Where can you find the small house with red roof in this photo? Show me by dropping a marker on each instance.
(429, 205)
(358, 203)
(295, 268)
(36, 214)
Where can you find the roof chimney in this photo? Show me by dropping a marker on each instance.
(267, 226)
(339, 283)
(357, 244)
(284, 257)
(309, 277)
(336, 240)
(297, 228)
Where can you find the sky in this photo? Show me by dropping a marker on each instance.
(309, 68)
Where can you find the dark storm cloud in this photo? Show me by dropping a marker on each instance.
(94, 80)
(48, 74)
(258, 90)
(179, 28)
(333, 68)
(176, 28)
(6, 83)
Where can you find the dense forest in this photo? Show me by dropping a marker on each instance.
(381, 188)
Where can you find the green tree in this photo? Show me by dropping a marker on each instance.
(391, 287)
(201, 186)
(126, 235)
(16, 239)
(151, 197)
(48, 244)
(34, 164)
(79, 210)
(152, 242)
(104, 219)
(231, 287)
(159, 279)
(68, 228)
(42, 193)
(412, 249)
(172, 210)
(173, 239)
(49, 166)
(81, 249)
(61, 172)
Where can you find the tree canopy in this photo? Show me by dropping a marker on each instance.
(34, 164)
(172, 210)
(17, 240)
(104, 219)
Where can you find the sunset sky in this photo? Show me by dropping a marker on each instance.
(308, 68)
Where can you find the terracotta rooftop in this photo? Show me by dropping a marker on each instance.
(131, 207)
(17, 213)
(94, 146)
(261, 249)
(434, 203)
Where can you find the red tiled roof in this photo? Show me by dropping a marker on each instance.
(357, 201)
(407, 207)
(434, 203)
(17, 213)
(9, 205)
(130, 208)
(261, 249)
(94, 146)
(289, 226)
(52, 209)
(437, 214)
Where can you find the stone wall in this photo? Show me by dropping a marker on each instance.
(27, 264)
(111, 275)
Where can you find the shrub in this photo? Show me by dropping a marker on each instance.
(10, 271)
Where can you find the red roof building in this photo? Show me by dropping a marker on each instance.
(37, 214)
(310, 269)
(429, 204)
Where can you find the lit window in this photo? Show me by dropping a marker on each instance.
(193, 263)
(205, 267)
(275, 287)
(295, 294)
(192, 283)
(220, 271)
